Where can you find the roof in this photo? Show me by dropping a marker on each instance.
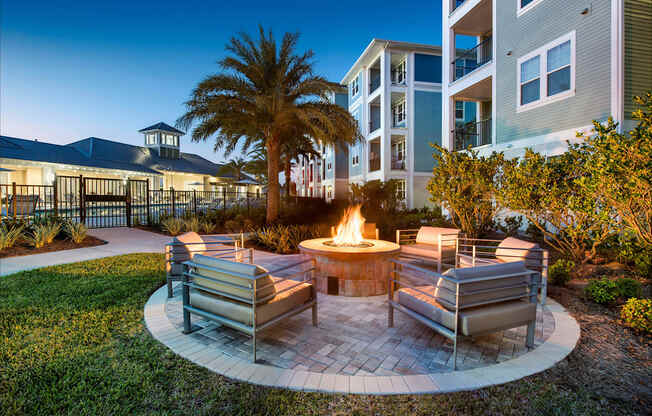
(162, 127)
(109, 154)
(376, 45)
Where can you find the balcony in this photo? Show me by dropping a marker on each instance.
(374, 77)
(374, 155)
(398, 164)
(399, 77)
(374, 164)
(472, 59)
(472, 134)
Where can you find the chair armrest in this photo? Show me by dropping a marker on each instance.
(410, 237)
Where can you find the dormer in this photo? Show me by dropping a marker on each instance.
(164, 138)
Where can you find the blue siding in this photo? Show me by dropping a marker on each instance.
(342, 99)
(330, 174)
(342, 162)
(427, 68)
(427, 128)
(356, 148)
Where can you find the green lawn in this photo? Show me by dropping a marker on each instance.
(72, 341)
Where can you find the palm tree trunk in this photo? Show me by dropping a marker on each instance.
(273, 189)
(288, 176)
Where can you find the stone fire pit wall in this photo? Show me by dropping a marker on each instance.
(351, 271)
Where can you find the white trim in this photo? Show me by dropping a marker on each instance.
(617, 62)
(520, 10)
(542, 52)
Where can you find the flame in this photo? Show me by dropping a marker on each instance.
(349, 230)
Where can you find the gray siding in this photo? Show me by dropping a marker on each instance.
(544, 23)
(638, 51)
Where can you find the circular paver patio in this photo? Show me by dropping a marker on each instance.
(353, 351)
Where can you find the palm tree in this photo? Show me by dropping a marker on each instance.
(237, 166)
(264, 92)
(298, 145)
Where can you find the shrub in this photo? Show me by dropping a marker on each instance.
(41, 235)
(76, 231)
(284, 239)
(172, 226)
(207, 226)
(605, 291)
(554, 195)
(560, 272)
(9, 235)
(192, 224)
(634, 254)
(637, 314)
(233, 226)
(376, 196)
(628, 288)
(465, 184)
(51, 231)
(602, 291)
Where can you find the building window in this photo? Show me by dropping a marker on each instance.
(355, 87)
(329, 195)
(523, 6)
(547, 74)
(355, 158)
(459, 110)
(398, 111)
(151, 138)
(530, 81)
(399, 73)
(330, 166)
(401, 190)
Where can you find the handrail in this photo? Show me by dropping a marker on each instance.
(473, 58)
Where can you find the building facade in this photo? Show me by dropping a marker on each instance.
(394, 92)
(541, 70)
(160, 161)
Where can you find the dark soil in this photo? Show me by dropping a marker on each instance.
(24, 249)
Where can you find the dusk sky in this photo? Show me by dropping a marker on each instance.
(74, 69)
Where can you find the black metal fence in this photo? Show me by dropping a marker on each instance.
(102, 202)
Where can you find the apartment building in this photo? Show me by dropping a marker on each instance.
(395, 94)
(327, 175)
(541, 70)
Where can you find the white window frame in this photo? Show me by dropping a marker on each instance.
(355, 86)
(402, 105)
(542, 52)
(401, 192)
(401, 69)
(520, 10)
(463, 111)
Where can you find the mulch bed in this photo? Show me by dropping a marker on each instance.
(23, 249)
(610, 359)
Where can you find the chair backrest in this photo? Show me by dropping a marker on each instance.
(445, 292)
(513, 249)
(25, 204)
(185, 246)
(223, 271)
(430, 235)
(370, 231)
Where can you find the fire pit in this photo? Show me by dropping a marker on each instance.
(347, 263)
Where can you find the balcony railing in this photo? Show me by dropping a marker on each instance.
(398, 164)
(472, 59)
(399, 77)
(374, 164)
(472, 134)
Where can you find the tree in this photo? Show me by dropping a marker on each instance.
(464, 183)
(553, 196)
(237, 167)
(266, 91)
(621, 166)
(297, 145)
(378, 198)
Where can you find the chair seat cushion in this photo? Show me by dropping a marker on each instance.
(513, 249)
(472, 321)
(243, 313)
(427, 251)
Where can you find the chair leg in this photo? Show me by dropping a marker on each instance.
(390, 316)
(315, 321)
(254, 346)
(169, 287)
(455, 354)
(529, 340)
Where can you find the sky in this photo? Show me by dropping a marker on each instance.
(76, 69)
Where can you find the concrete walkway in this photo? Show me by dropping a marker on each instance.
(120, 241)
